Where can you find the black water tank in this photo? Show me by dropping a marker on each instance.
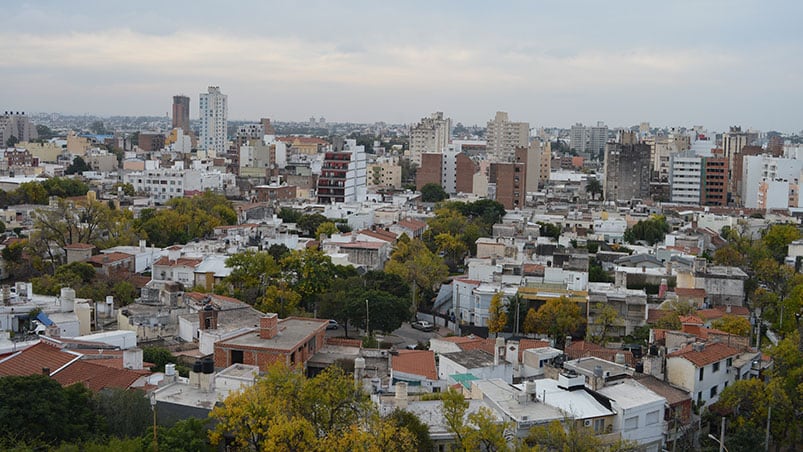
(640, 367)
(653, 350)
(208, 366)
(197, 366)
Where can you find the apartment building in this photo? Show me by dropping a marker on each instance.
(213, 120)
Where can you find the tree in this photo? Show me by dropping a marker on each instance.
(594, 188)
(327, 228)
(251, 273)
(777, 238)
(185, 435)
(498, 314)
(605, 316)
(417, 265)
(452, 249)
(37, 408)
(729, 256)
(309, 272)
(530, 322)
(125, 413)
(652, 230)
(12, 141)
(403, 419)
(570, 437)
(78, 166)
(280, 300)
(477, 431)
(309, 223)
(549, 230)
(433, 192)
(558, 318)
(670, 321)
(732, 324)
(286, 411)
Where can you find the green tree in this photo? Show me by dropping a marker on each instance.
(652, 230)
(185, 435)
(309, 273)
(327, 229)
(309, 223)
(452, 249)
(732, 324)
(78, 166)
(550, 230)
(670, 321)
(251, 273)
(37, 408)
(570, 437)
(280, 300)
(530, 322)
(777, 238)
(125, 413)
(432, 192)
(416, 264)
(498, 314)
(605, 316)
(12, 141)
(403, 419)
(594, 188)
(558, 318)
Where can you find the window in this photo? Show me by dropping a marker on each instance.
(652, 417)
(716, 367)
(631, 423)
(236, 356)
(713, 391)
(599, 425)
(729, 362)
(701, 374)
(699, 396)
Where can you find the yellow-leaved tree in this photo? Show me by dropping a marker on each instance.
(498, 314)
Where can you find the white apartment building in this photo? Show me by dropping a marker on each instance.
(578, 138)
(597, 138)
(343, 175)
(685, 178)
(704, 370)
(758, 169)
(213, 117)
(430, 135)
(164, 184)
(639, 414)
(503, 137)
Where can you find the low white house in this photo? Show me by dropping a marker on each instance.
(479, 363)
(639, 414)
(703, 370)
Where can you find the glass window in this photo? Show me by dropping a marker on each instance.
(631, 423)
(652, 417)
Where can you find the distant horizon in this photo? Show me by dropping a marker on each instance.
(712, 63)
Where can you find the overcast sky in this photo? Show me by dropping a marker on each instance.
(552, 63)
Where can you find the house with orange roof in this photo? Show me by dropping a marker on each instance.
(705, 369)
(112, 263)
(413, 228)
(416, 368)
(93, 368)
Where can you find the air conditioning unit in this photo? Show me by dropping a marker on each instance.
(587, 422)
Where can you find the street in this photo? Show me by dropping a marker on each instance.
(406, 335)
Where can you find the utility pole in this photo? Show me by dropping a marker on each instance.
(722, 436)
(367, 320)
(767, 434)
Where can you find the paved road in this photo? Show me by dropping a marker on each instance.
(406, 335)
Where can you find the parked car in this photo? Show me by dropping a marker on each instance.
(423, 325)
(332, 325)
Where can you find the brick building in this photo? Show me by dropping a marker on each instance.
(292, 341)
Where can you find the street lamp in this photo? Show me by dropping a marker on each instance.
(153, 408)
(367, 320)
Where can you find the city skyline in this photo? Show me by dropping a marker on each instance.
(715, 64)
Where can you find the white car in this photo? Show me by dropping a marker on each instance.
(423, 325)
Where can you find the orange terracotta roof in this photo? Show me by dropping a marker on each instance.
(659, 334)
(35, 358)
(459, 339)
(533, 269)
(710, 314)
(362, 245)
(710, 353)
(107, 258)
(475, 282)
(526, 344)
(688, 292)
(411, 224)
(415, 362)
(582, 349)
(691, 320)
(654, 315)
(487, 345)
(380, 234)
(96, 376)
(182, 261)
(734, 310)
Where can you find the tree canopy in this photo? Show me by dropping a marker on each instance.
(432, 192)
(651, 230)
(557, 318)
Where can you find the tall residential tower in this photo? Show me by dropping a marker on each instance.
(214, 115)
(181, 113)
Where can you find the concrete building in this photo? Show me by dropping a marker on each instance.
(291, 341)
(627, 171)
(703, 370)
(685, 178)
(343, 175)
(430, 135)
(509, 182)
(597, 139)
(630, 306)
(181, 113)
(504, 136)
(17, 125)
(776, 173)
(732, 143)
(213, 117)
(151, 141)
(451, 169)
(639, 414)
(384, 173)
(578, 138)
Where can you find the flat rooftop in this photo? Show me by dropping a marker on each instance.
(291, 332)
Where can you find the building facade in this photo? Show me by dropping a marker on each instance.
(504, 136)
(343, 175)
(213, 120)
(430, 135)
(627, 171)
(181, 113)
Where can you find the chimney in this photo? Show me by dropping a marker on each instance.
(207, 318)
(401, 394)
(499, 348)
(132, 358)
(142, 246)
(662, 289)
(269, 326)
(46, 371)
(359, 368)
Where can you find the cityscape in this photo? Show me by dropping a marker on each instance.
(539, 235)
